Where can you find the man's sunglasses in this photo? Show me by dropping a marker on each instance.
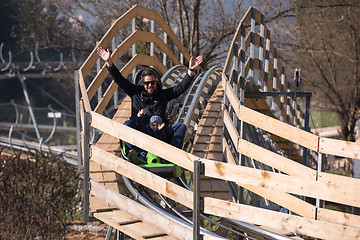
(149, 83)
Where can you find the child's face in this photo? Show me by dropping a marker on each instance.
(154, 126)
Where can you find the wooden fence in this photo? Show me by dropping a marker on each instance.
(280, 188)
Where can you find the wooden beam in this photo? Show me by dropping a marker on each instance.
(337, 217)
(106, 39)
(246, 18)
(280, 182)
(144, 141)
(142, 176)
(140, 212)
(339, 148)
(272, 125)
(275, 160)
(266, 156)
(338, 180)
(152, 15)
(277, 220)
(288, 201)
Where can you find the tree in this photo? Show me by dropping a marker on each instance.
(203, 27)
(328, 53)
(39, 22)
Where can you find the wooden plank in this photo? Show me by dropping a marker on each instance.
(279, 128)
(140, 212)
(106, 39)
(339, 148)
(214, 156)
(277, 220)
(151, 14)
(237, 35)
(124, 20)
(265, 156)
(96, 204)
(84, 97)
(338, 180)
(275, 160)
(143, 141)
(209, 130)
(234, 135)
(281, 182)
(278, 231)
(283, 199)
(143, 176)
(342, 218)
(207, 147)
(136, 230)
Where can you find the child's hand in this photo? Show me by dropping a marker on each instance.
(161, 126)
(140, 113)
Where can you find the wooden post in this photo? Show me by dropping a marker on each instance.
(282, 98)
(261, 50)
(78, 125)
(319, 169)
(98, 68)
(240, 128)
(86, 147)
(252, 48)
(116, 93)
(306, 128)
(197, 202)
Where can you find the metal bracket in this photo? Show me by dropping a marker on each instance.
(201, 204)
(202, 168)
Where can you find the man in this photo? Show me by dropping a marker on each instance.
(150, 96)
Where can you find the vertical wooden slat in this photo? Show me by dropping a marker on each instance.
(252, 48)
(261, 51)
(274, 80)
(282, 98)
(267, 56)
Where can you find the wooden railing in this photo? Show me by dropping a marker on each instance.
(138, 59)
(278, 188)
(263, 72)
(303, 181)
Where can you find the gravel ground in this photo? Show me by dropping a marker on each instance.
(78, 230)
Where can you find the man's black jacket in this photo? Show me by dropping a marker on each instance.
(139, 97)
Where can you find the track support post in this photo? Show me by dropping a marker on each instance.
(86, 148)
(198, 202)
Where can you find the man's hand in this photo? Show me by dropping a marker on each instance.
(105, 55)
(194, 63)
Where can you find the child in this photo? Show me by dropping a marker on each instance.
(154, 128)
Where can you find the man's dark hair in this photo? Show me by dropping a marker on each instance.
(147, 72)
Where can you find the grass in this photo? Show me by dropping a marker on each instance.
(323, 118)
